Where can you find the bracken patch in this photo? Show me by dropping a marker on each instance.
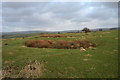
(59, 44)
(54, 35)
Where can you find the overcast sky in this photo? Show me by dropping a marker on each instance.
(58, 16)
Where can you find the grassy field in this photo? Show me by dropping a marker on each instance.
(101, 62)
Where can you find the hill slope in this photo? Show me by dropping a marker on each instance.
(101, 62)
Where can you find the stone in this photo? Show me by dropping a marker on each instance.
(82, 49)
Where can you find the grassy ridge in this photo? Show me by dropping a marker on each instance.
(99, 63)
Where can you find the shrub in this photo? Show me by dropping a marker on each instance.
(6, 43)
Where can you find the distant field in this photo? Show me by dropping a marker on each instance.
(101, 62)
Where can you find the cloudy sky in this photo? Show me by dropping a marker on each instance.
(58, 16)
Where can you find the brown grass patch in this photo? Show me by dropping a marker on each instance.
(59, 44)
(106, 32)
(7, 62)
(54, 35)
(38, 43)
(11, 53)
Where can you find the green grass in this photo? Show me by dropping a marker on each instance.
(68, 63)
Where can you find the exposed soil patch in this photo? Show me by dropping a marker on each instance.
(8, 71)
(85, 59)
(59, 44)
(54, 35)
(33, 69)
(89, 55)
(23, 46)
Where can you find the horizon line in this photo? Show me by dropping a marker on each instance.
(54, 30)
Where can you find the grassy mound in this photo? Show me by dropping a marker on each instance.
(59, 44)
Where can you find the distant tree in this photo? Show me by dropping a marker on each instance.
(58, 32)
(3, 36)
(86, 30)
(100, 29)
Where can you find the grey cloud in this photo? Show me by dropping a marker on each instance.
(51, 15)
(39, 19)
(17, 5)
(102, 13)
(104, 4)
